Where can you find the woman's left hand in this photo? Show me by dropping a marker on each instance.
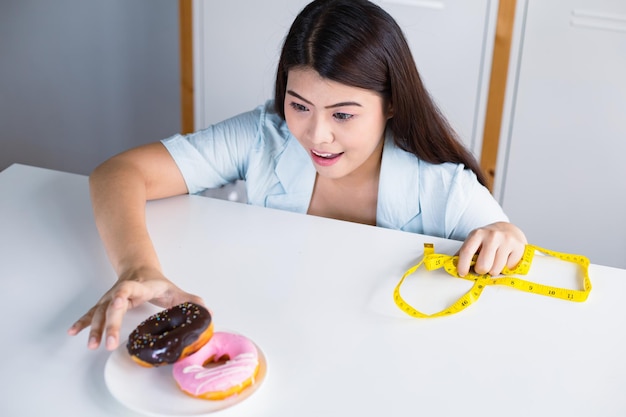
(497, 245)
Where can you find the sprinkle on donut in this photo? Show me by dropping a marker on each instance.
(170, 335)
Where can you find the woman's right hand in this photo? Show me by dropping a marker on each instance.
(131, 290)
(119, 189)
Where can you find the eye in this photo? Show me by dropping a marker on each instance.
(298, 106)
(342, 116)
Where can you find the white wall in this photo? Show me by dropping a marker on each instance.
(451, 40)
(81, 80)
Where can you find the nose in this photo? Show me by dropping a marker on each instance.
(319, 131)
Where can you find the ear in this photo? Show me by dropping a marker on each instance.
(390, 111)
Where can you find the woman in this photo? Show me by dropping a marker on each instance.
(351, 134)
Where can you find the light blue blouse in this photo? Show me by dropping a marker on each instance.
(442, 200)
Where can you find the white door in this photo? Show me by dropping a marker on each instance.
(561, 174)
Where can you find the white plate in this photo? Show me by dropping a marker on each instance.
(153, 391)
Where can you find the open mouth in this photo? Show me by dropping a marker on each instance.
(325, 155)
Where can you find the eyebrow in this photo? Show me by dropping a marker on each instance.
(342, 104)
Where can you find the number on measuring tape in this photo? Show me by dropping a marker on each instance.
(432, 261)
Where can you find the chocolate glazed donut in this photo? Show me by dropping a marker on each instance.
(170, 335)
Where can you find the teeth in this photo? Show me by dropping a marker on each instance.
(323, 155)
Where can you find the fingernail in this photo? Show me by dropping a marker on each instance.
(93, 343)
(110, 342)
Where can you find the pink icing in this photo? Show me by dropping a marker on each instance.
(194, 378)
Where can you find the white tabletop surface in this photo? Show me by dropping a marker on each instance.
(316, 296)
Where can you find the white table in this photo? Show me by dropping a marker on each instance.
(316, 295)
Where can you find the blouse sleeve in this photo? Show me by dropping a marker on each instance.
(470, 205)
(217, 155)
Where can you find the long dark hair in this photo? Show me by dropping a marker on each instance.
(356, 43)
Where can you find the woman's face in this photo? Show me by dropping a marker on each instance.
(341, 127)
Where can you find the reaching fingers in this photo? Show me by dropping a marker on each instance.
(97, 326)
(108, 320)
(81, 323)
(114, 315)
(105, 318)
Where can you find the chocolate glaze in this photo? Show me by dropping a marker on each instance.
(162, 337)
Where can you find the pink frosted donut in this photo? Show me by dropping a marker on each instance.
(205, 375)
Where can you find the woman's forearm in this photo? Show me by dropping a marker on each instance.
(118, 195)
(119, 190)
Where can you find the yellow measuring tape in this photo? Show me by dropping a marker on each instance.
(434, 261)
